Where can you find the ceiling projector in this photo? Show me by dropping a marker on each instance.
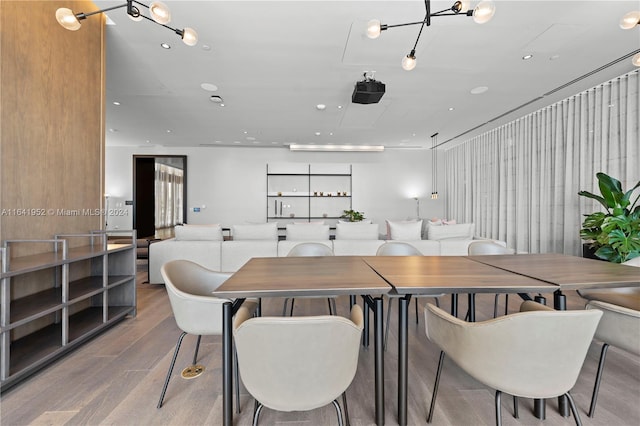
(367, 91)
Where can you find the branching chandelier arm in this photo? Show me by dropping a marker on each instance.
(482, 13)
(159, 12)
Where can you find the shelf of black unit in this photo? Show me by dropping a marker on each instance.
(288, 196)
(309, 174)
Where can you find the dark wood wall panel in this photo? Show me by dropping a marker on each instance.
(52, 87)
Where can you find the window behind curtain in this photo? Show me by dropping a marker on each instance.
(169, 188)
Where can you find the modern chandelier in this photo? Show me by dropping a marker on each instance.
(159, 12)
(482, 13)
(629, 21)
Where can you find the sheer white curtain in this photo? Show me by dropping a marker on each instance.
(169, 185)
(519, 182)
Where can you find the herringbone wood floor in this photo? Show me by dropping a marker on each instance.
(116, 378)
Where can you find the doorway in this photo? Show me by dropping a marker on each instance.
(159, 193)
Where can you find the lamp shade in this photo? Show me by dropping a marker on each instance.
(160, 12)
(189, 36)
(484, 11)
(67, 19)
(636, 60)
(409, 62)
(373, 28)
(630, 20)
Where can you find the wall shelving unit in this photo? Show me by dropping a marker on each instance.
(53, 301)
(308, 192)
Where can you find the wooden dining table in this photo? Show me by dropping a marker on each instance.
(424, 275)
(373, 276)
(300, 277)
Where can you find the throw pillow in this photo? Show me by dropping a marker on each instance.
(356, 231)
(460, 231)
(307, 233)
(262, 231)
(198, 232)
(404, 230)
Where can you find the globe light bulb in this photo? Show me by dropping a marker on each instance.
(189, 36)
(630, 20)
(484, 11)
(409, 62)
(67, 19)
(160, 12)
(373, 28)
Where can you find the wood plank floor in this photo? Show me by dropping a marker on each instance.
(116, 378)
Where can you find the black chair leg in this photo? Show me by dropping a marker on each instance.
(498, 408)
(173, 362)
(435, 387)
(338, 411)
(256, 413)
(515, 407)
(195, 354)
(345, 407)
(596, 386)
(417, 322)
(495, 305)
(506, 303)
(574, 410)
(386, 333)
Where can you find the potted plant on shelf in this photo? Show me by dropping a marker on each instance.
(614, 235)
(353, 215)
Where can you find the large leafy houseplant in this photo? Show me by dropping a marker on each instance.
(614, 234)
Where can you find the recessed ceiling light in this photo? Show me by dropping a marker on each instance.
(527, 57)
(331, 134)
(206, 47)
(318, 133)
(451, 108)
(116, 103)
(320, 107)
(209, 87)
(216, 99)
(147, 141)
(339, 106)
(168, 130)
(221, 105)
(165, 46)
(478, 90)
(554, 57)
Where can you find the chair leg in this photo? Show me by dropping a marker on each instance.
(498, 408)
(596, 386)
(515, 407)
(338, 411)
(284, 307)
(574, 410)
(256, 413)
(386, 333)
(332, 306)
(173, 362)
(345, 407)
(506, 303)
(495, 305)
(416, 299)
(435, 387)
(236, 378)
(292, 302)
(195, 354)
(437, 301)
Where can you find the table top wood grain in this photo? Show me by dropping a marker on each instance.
(303, 276)
(451, 274)
(568, 272)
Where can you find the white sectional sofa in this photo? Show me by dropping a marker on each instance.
(205, 245)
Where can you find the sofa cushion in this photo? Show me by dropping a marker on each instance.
(356, 231)
(237, 253)
(204, 253)
(198, 232)
(260, 231)
(307, 233)
(356, 247)
(461, 231)
(404, 230)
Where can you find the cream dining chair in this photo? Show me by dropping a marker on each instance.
(488, 247)
(399, 248)
(536, 353)
(298, 363)
(310, 249)
(620, 323)
(195, 310)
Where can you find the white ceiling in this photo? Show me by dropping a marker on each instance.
(274, 61)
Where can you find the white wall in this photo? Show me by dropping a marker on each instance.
(231, 182)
